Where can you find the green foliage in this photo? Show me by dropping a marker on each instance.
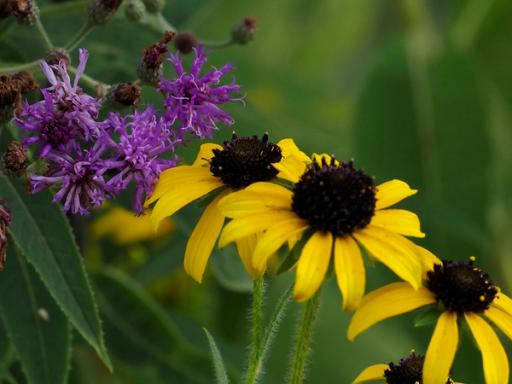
(36, 327)
(221, 377)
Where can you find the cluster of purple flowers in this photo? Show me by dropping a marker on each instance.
(90, 160)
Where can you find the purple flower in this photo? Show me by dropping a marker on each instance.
(143, 137)
(193, 100)
(81, 179)
(64, 115)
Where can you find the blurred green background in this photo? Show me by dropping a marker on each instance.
(416, 90)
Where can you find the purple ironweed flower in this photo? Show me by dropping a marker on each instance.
(64, 115)
(81, 179)
(193, 100)
(143, 137)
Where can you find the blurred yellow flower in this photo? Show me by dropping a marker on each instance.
(125, 228)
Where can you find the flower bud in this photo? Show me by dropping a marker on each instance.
(9, 98)
(14, 161)
(124, 95)
(5, 9)
(25, 82)
(135, 10)
(244, 31)
(154, 6)
(56, 55)
(5, 221)
(185, 42)
(101, 11)
(150, 67)
(25, 11)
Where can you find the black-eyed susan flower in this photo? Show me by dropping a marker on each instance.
(408, 371)
(342, 207)
(221, 170)
(464, 292)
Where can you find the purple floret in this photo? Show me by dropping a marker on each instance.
(193, 101)
(65, 114)
(143, 137)
(81, 179)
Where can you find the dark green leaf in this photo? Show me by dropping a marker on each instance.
(229, 271)
(427, 317)
(221, 376)
(44, 237)
(37, 328)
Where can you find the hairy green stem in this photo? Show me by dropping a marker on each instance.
(257, 325)
(77, 39)
(44, 35)
(303, 338)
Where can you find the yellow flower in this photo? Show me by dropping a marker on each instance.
(408, 370)
(125, 228)
(342, 207)
(220, 170)
(465, 292)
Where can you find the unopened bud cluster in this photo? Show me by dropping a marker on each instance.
(124, 95)
(244, 31)
(135, 10)
(11, 89)
(150, 67)
(14, 160)
(101, 11)
(25, 11)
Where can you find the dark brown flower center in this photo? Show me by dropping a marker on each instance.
(245, 160)
(461, 287)
(335, 198)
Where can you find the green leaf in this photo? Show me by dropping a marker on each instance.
(218, 364)
(229, 271)
(293, 256)
(427, 317)
(42, 233)
(36, 327)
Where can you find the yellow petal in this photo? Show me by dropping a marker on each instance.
(503, 302)
(391, 192)
(495, 361)
(247, 225)
(350, 272)
(203, 239)
(391, 300)
(441, 350)
(290, 149)
(175, 199)
(274, 238)
(245, 247)
(502, 320)
(399, 221)
(312, 265)
(290, 168)
(205, 154)
(319, 158)
(258, 197)
(372, 373)
(428, 259)
(175, 179)
(395, 251)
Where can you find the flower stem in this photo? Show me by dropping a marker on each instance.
(303, 340)
(44, 35)
(77, 39)
(164, 24)
(257, 324)
(19, 67)
(218, 44)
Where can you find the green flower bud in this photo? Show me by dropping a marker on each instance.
(101, 11)
(154, 6)
(244, 31)
(135, 10)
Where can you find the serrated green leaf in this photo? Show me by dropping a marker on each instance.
(221, 376)
(38, 330)
(42, 233)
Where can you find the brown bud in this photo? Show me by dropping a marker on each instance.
(5, 9)
(14, 160)
(124, 95)
(101, 11)
(185, 42)
(5, 221)
(25, 11)
(25, 82)
(150, 66)
(244, 31)
(56, 55)
(9, 97)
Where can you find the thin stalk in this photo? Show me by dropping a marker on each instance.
(77, 39)
(19, 67)
(257, 325)
(218, 44)
(164, 24)
(303, 338)
(44, 35)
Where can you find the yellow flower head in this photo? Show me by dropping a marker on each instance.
(408, 370)
(343, 208)
(465, 292)
(221, 170)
